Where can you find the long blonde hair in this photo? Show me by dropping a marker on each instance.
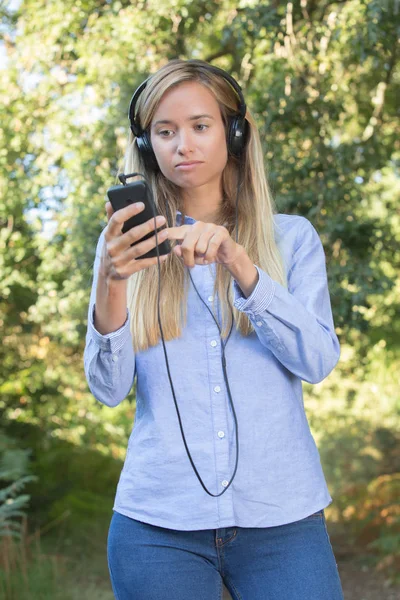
(255, 215)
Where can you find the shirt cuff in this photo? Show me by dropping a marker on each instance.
(260, 298)
(111, 342)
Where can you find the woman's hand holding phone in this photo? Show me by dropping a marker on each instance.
(119, 258)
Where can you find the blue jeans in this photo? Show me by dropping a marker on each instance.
(287, 562)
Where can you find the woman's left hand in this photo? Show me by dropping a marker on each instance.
(205, 243)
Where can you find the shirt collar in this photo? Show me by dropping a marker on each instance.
(188, 220)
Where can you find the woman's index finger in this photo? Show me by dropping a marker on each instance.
(123, 214)
(178, 233)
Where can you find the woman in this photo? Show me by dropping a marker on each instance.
(190, 512)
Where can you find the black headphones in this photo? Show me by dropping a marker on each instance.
(237, 125)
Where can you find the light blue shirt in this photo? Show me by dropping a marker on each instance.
(279, 477)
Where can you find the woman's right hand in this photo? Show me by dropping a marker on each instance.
(119, 259)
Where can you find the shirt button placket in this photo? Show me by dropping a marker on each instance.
(221, 439)
(219, 419)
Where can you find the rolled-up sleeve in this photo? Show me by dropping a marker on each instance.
(109, 360)
(296, 323)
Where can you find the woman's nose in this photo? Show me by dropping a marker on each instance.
(185, 143)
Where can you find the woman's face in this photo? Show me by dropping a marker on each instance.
(188, 136)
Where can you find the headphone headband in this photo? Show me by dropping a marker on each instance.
(136, 129)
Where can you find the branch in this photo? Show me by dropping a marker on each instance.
(216, 55)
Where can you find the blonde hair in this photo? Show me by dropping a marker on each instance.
(255, 216)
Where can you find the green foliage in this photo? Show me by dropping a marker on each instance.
(13, 469)
(74, 486)
(75, 490)
(29, 573)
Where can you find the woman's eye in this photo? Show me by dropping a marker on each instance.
(165, 132)
(201, 127)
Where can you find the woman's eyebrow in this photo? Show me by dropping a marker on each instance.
(200, 117)
(193, 118)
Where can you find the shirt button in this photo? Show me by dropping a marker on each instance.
(259, 323)
(225, 482)
(213, 343)
(115, 358)
(217, 389)
(221, 434)
(210, 298)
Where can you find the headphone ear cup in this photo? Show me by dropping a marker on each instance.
(146, 151)
(237, 134)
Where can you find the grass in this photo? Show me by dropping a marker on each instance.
(33, 568)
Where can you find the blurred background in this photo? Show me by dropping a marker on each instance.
(323, 80)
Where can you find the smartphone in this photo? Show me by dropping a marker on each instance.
(137, 191)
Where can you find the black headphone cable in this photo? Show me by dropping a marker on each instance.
(223, 345)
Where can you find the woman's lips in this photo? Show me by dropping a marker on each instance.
(188, 166)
